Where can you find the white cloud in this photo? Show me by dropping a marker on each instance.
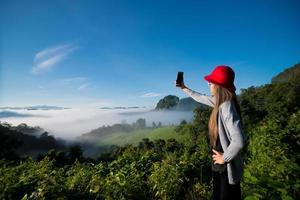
(151, 94)
(83, 86)
(48, 51)
(47, 64)
(70, 123)
(48, 58)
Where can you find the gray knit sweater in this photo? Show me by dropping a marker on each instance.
(230, 132)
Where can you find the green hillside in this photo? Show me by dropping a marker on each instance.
(121, 138)
(287, 74)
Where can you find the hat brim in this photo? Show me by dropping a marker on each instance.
(211, 80)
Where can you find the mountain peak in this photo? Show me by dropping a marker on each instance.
(287, 74)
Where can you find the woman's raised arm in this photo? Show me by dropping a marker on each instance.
(201, 98)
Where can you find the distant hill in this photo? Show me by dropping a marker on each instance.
(38, 107)
(5, 114)
(24, 140)
(188, 104)
(28, 130)
(104, 131)
(287, 74)
(168, 102)
(123, 107)
(172, 102)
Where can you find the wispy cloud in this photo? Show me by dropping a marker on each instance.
(83, 86)
(78, 82)
(151, 94)
(48, 58)
(73, 79)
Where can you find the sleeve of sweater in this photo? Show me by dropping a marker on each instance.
(201, 98)
(232, 124)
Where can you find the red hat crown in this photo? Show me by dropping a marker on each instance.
(222, 75)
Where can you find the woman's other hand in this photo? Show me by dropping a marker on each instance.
(218, 157)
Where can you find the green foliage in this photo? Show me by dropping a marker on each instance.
(166, 180)
(270, 172)
(78, 180)
(276, 101)
(36, 179)
(291, 136)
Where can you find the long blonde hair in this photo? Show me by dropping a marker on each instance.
(222, 94)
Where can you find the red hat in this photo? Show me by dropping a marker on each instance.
(222, 75)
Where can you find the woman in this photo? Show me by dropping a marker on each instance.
(225, 132)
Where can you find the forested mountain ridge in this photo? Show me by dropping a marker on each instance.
(287, 74)
(22, 140)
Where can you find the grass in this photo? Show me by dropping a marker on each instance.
(121, 138)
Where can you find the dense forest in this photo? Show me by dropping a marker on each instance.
(171, 169)
(23, 140)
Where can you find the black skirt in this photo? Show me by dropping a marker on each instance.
(222, 190)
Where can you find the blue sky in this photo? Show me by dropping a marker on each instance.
(127, 53)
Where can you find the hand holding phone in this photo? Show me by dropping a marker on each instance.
(179, 80)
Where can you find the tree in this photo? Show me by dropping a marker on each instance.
(9, 143)
(141, 123)
(159, 125)
(153, 125)
(75, 152)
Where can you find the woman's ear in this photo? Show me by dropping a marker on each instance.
(213, 88)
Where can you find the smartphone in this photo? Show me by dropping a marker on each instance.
(179, 80)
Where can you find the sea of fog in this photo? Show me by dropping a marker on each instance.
(70, 123)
